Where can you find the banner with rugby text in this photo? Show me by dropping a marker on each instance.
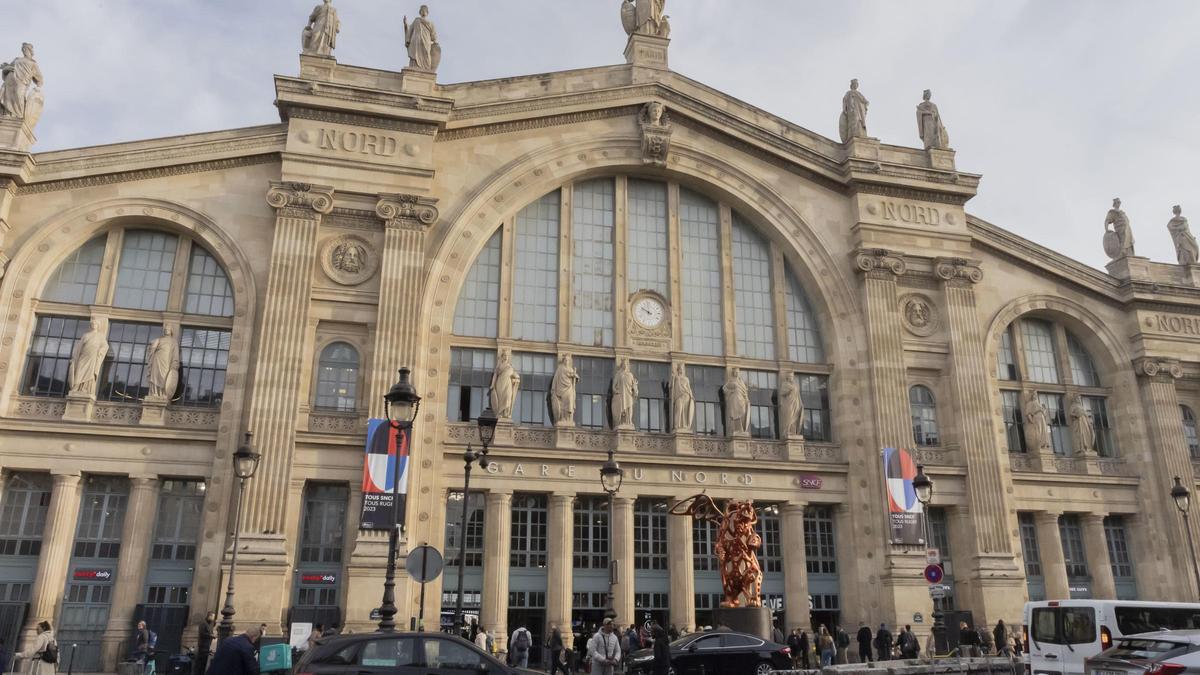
(386, 459)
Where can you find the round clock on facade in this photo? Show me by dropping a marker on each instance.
(649, 312)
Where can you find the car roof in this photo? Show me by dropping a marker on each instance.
(1190, 635)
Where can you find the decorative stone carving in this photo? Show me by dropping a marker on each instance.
(192, 418)
(320, 35)
(624, 395)
(21, 91)
(683, 401)
(737, 403)
(645, 17)
(1186, 250)
(1037, 423)
(562, 392)
(87, 358)
(656, 134)
(879, 260)
(1020, 462)
(1155, 367)
(921, 316)
(1083, 428)
(1118, 241)
(853, 122)
(420, 38)
(404, 210)
(791, 407)
(958, 269)
(506, 381)
(301, 199)
(349, 259)
(533, 438)
(929, 124)
(162, 364)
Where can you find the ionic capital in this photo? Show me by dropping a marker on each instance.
(958, 269)
(1155, 367)
(300, 199)
(408, 211)
(879, 260)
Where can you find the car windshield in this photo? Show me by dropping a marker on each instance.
(1146, 649)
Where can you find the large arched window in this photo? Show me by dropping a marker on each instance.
(337, 378)
(924, 416)
(1037, 354)
(155, 280)
(652, 270)
(1189, 431)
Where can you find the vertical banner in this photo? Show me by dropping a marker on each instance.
(386, 456)
(904, 511)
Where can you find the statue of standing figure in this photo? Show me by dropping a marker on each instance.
(562, 391)
(1118, 241)
(506, 381)
(1037, 423)
(21, 92)
(1186, 250)
(853, 122)
(624, 394)
(87, 358)
(162, 361)
(420, 37)
(645, 17)
(737, 403)
(683, 401)
(791, 407)
(320, 35)
(1083, 428)
(929, 124)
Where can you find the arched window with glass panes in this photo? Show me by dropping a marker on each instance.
(1190, 436)
(1042, 355)
(661, 298)
(149, 278)
(337, 378)
(924, 416)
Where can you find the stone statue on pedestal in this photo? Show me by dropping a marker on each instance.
(737, 403)
(87, 358)
(645, 17)
(1083, 429)
(1037, 423)
(1118, 241)
(162, 364)
(624, 394)
(683, 401)
(320, 35)
(562, 391)
(1186, 250)
(506, 381)
(420, 37)
(929, 124)
(21, 92)
(791, 407)
(853, 122)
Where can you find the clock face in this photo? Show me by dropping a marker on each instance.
(649, 312)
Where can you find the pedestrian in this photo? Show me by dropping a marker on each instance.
(804, 649)
(558, 653)
(672, 633)
(235, 656)
(481, 641)
(581, 647)
(5, 656)
(968, 640)
(491, 642)
(1000, 637)
(204, 642)
(329, 631)
(842, 640)
(263, 627)
(519, 644)
(793, 643)
(605, 650)
(315, 634)
(825, 646)
(43, 656)
(883, 643)
(910, 646)
(776, 634)
(864, 642)
(662, 650)
(144, 642)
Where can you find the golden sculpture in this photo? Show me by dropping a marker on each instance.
(737, 543)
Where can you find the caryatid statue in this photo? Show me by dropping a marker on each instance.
(506, 381)
(853, 122)
(1118, 241)
(1083, 428)
(162, 362)
(87, 358)
(624, 394)
(791, 406)
(929, 124)
(645, 17)
(320, 35)
(1037, 423)
(562, 391)
(420, 37)
(683, 401)
(737, 403)
(21, 92)
(1186, 250)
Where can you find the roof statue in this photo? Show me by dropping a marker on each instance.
(1186, 250)
(645, 17)
(929, 124)
(320, 35)
(420, 38)
(737, 544)
(853, 122)
(1118, 241)
(21, 91)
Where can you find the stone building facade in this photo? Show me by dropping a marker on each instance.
(618, 212)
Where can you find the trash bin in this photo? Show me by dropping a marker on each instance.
(129, 668)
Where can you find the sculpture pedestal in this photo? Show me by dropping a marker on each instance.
(416, 81)
(647, 50)
(79, 408)
(752, 620)
(154, 411)
(14, 135)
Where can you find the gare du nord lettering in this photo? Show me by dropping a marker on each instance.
(1179, 325)
(361, 142)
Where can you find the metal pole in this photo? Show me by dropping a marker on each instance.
(939, 627)
(227, 612)
(468, 460)
(610, 612)
(421, 611)
(1192, 548)
(71, 660)
(387, 608)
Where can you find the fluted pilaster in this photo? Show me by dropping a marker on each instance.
(560, 550)
(497, 545)
(795, 568)
(57, 539)
(683, 576)
(1095, 544)
(136, 535)
(880, 268)
(1054, 561)
(622, 552)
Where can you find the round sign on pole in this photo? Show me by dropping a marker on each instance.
(424, 564)
(933, 573)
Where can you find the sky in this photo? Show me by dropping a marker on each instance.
(1061, 105)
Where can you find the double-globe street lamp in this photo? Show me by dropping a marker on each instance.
(245, 463)
(402, 405)
(611, 477)
(487, 432)
(1183, 502)
(923, 487)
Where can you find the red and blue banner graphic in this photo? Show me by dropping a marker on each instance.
(904, 511)
(386, 459)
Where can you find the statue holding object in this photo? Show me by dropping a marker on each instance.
(737, 546)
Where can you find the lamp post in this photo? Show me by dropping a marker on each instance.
(487, 431)
(1183, 502)
(402, 405)
(611, 477)
(923, 487)
(245, 463)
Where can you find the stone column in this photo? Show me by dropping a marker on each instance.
(682, 569)
(137, 534)
(1054, 562)
(497, 545)
(560, 558)
(58, 538)
(795, 568)
(622, 552)
(1095, 543)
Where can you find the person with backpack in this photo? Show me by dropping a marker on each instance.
(145, 641)
(43, 655)
(521, 641)
(910, 646)
(825, 646)
(793, 643)
(843, 646)
(558, 652)
(968, 640)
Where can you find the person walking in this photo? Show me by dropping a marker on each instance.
(605, 650)
(519, 646)
(43, 655)
(206, 633)
(1000, 637)
(842, 641)
(793, 643)
(968, 640)
(825, 647)
(558, 657)
(864, 643)
(910, 646)
(883, 643)
(662, 650)
(315, 634)
(144, 642)
(481, 640)
(672, 633)
(805, 649)
(776, 634)
(235, 656)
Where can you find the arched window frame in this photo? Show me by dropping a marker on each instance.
(1190, 435)
(326, 365)
(923, 409)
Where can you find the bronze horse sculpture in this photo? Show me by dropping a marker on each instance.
(737, 544)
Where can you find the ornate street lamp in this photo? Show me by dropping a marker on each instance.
(245, 463)
(923, 487)
(1183, 502)
(487, 432)
(611, 477)
(402, 405)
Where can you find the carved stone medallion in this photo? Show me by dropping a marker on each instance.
(348, 259)
(919, 314)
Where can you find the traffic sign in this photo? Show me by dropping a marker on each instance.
(933, 574)
(424, 564)
(933, 556)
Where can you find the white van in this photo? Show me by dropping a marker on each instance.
(1060, 634)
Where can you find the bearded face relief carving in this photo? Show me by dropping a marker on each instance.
(348, 260)
(920, 315)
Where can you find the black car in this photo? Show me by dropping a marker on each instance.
(400, 654)
(719, 653)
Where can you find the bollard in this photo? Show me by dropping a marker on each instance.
(71, 659)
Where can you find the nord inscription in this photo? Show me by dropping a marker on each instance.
(361, 142)
(909, 213)
(1178, 325)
